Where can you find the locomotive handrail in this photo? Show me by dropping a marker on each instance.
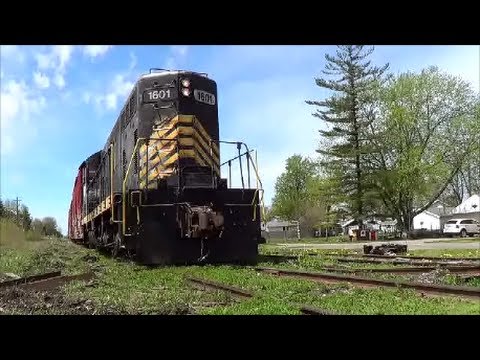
(255, 168)
(112, 203)
(124, 190)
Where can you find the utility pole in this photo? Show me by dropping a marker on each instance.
(17, 200)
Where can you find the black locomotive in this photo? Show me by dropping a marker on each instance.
(155, 191)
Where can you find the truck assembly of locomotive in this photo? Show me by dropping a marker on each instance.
(155, 191)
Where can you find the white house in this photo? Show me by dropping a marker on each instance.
(426, 220)
(471, 204)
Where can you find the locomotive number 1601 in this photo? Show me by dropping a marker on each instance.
(161, 94)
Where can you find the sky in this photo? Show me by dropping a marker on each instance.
(59, 103)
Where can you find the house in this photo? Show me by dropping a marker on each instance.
(386, 225)
(426, 220)
(429, 219)
(282, 229)
(470, 208)
(472, 204)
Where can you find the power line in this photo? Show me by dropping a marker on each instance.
(17, 200)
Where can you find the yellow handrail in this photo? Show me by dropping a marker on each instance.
(124, 185)
(112, 203)
(124, 190)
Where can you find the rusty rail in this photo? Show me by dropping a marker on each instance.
(329, 277)
(29, 279)
(276, 257)
(409, 270)
(400, 257)
(241, 293)
(219, 286)
(399, 261)
(57, 281)
(46, 281)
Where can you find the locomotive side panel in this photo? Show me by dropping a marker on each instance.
(75, 229)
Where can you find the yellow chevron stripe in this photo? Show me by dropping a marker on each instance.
(200, 139)
(196, 123)
(152, 153)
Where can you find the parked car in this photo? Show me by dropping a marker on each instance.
(462, 227)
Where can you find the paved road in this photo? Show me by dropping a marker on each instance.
(412, 245)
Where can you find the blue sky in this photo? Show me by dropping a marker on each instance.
(58, 104)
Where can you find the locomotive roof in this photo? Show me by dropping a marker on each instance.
(171, 72)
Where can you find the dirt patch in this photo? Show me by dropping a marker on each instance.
(16, 300)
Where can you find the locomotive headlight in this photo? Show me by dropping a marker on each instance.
(185, 83)
(185, 92)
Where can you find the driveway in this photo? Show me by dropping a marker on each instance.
(412, 244)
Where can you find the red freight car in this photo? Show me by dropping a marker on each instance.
(75, 229)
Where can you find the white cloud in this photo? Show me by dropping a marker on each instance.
(63, 53)
(86, 97)
(44, 61)
(19, 104)
(118, 90)
(59, 80)
(12, 52)
(56, 60)
(179, 50)
(41, 80)
(178, 54)
(94, 51)
(133, 61)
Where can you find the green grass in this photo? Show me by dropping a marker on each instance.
(446, 253)
(123, 287)
(12, 237)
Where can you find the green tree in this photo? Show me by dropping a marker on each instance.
(25, 218)
(37, 225)
(428, 128)
(2, 209)
(49, 226)
(347, 112)
(292, 193)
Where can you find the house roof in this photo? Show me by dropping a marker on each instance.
(278, 223)
(426, 212)
(469, 205)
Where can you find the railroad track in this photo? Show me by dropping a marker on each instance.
(277, 257)
(357, 280)
(427, 266)
(244, 294)
(432, 258)
(408, 270)
(45, 281)
(401, 261)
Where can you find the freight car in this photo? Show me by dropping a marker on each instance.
(155, 191)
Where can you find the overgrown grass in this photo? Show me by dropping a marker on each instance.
(12, 237)
(123, 287)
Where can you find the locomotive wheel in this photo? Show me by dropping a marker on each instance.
(92, 241)
(116, 246)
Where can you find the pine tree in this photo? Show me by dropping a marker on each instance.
(347, 112)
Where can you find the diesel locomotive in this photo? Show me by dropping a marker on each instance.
(155, 192)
